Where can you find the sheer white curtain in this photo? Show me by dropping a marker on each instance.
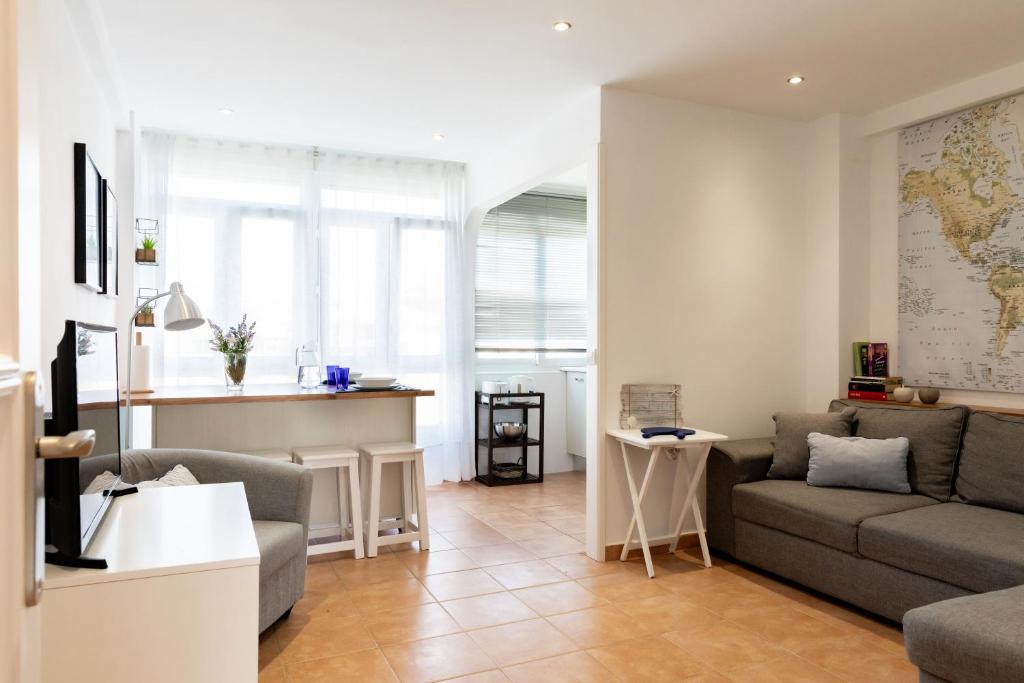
(238, 232)
(392, 284)
(362, 254)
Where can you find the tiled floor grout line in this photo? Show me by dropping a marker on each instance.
(473, 516)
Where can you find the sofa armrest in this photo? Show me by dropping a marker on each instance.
(731, 463)
(276, 491)
(973, 639)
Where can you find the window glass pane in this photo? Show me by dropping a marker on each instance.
(353, 310)
(189, 252)
(267, 249)
(389, 203)
(225, 189)
(421, 293)
(531, 275)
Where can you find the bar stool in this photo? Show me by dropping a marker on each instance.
(320, 457)
(373, 457)
(278, 454)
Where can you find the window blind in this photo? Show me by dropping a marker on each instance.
(531, 275)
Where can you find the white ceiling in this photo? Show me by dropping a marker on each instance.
(383, 75)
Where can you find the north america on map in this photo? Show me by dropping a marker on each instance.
(961, 249)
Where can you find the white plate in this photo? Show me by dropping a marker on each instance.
(376, 382)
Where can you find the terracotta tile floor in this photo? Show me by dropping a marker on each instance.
(505, 594)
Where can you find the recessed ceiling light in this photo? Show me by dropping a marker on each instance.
(226, 111)
(561, 26)
(795, 80)
(438, 136)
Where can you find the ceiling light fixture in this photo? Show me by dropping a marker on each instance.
(561, 26)
(795, 80)
(226, 111)
(438, 136)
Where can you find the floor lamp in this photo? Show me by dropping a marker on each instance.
(180, 314)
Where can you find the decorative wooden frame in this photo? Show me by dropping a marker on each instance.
(89, 262)
(652, 405)
(110, 245)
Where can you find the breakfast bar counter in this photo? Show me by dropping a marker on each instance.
(255, 393)
(282, 416)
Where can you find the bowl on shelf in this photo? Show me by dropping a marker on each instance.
(510, 431)
(375, 382)
(903, 394)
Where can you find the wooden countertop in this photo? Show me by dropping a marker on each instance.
(252, 393)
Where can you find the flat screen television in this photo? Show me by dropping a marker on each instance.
(85, 395)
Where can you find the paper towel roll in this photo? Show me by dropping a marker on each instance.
(140, 368)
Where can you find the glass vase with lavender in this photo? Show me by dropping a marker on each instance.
(234, 346)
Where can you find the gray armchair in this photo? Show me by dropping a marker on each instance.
(279, 498)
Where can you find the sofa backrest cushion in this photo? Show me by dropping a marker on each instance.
(934, 435)
(789, 461)
(991, 469)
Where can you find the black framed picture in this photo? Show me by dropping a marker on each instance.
(109, 240)
(88, 221)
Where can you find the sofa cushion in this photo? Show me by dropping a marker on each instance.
(789, 460)
(278, 543)
(858, 463)
(825, 515)
(991, 471)
(973, 547)
(934, 435)
(974, 639)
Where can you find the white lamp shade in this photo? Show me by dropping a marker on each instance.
(181, 313)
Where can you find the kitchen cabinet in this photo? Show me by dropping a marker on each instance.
(576, 412)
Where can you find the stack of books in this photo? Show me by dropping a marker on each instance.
(867, 388)
(871, 359)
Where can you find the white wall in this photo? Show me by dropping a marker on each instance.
(73, 108)
(881, 130)
(703, 222)
(837, 255)
(561, 142)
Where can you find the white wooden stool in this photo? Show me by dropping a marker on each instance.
(272, 454)
(320, 457)
(373, 457)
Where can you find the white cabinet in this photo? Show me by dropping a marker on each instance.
(576, 412)
(179, 600)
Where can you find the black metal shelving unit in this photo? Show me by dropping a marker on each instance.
(486, 406)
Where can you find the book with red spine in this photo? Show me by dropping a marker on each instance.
(867, 395)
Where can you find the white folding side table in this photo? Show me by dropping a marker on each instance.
(698, 444)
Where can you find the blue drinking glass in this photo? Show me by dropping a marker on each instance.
(332, 375)
(341, 375)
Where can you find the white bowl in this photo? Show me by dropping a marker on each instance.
(376, 382)
(903, 394)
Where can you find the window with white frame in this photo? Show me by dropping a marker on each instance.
(531, 278)
(359, 254)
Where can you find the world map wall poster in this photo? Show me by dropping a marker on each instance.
(961, 249)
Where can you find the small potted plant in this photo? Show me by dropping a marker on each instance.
(144, 318)
(234, 346)
(147, 253)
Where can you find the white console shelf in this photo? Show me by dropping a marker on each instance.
(179, 600)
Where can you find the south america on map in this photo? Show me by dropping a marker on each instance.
(961, 249)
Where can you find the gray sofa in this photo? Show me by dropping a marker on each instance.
(959, 533)
(278, 494)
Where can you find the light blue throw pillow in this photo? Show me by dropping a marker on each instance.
(856, 462)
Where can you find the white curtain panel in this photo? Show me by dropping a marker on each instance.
(361, 254)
